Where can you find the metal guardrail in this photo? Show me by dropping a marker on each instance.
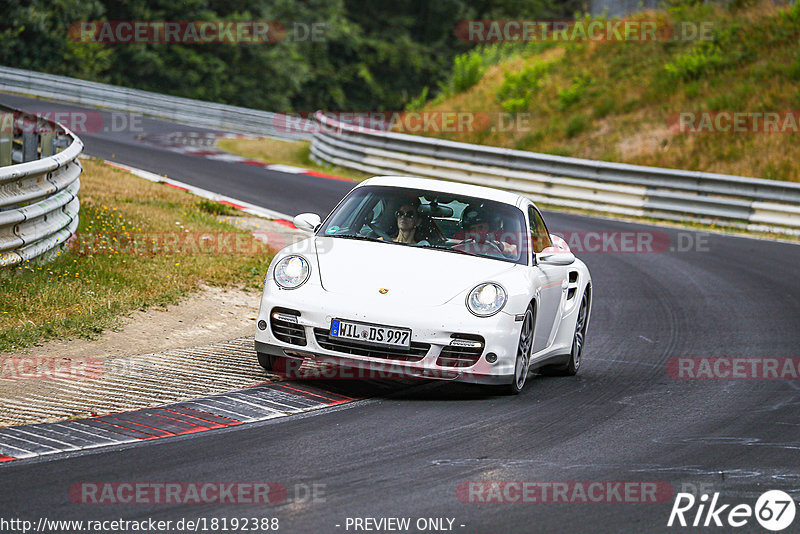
(38, 197)
(668, 194)
(181, 110)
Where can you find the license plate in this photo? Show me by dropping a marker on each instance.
(371, 333)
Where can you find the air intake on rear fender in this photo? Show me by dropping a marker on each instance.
(463, 351)
(283, 322)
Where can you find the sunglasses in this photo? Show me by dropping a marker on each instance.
(409, 214)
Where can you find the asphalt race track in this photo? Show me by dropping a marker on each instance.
(406, 454)
(298, 193)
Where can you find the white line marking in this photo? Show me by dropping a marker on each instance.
(25, 454)
(44, 436)
(227, 157)
(286, 168)
(18, 438)
(272, 401)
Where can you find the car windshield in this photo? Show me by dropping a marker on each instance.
(430, 219)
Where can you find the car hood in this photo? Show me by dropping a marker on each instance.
(424, 276)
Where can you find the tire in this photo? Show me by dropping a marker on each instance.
(573, 364)
(276, 365)
(523, 359)
(273, 364)
(267, 361)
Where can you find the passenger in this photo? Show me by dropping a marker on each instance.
(481, 232)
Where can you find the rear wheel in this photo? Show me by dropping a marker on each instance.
(523, 354)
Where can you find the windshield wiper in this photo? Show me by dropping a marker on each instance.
(457, 251)
(359, 237)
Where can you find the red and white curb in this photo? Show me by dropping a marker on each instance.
(203, 145)
(258, 403)
(246, 207)
(219, 155)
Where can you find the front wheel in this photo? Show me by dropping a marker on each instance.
(523, 359)
(272, 364)
(578, 340)
(267, 361)
(573, 365)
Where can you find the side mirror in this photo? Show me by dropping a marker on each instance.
(307, 221)
(557, 258)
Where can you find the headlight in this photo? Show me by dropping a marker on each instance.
(291, 272)
(486, 299)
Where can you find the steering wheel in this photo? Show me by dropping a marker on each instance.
(430, 231)
(470, 241)
(375, 228)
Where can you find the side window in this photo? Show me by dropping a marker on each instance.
(373, 215)
(377, 211)
(539, 235)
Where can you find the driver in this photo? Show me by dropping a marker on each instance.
(408, 218)
(480, 226)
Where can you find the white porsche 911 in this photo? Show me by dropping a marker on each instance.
(428, 279)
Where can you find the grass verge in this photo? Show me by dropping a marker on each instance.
(139, 244)
(296, 153)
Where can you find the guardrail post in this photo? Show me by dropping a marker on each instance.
(6, 138)
(30, 146)
(48, 144)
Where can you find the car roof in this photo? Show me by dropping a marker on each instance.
(446, 187)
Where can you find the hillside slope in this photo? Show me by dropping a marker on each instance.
(619, 100)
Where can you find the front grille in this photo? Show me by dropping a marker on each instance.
(287, 331)
(462, 356)
(416, 353)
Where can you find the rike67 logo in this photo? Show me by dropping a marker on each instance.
(774, 510)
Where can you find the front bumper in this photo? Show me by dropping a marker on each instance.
(433, 326)
(366, 368)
